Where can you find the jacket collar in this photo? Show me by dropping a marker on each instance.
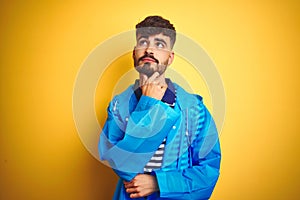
(169, 96)
(183, 98)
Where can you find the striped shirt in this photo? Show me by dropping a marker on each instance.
(169, 98)
(156, 160)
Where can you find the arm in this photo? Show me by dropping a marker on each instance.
(198, 181)
(128, 146)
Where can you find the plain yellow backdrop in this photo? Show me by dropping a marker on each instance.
(254, 44)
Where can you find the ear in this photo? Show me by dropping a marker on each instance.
(133, 53)
(171, 58)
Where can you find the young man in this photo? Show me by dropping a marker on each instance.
(160, 140)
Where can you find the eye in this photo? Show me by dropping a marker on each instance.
(160, 45)
(143, 43)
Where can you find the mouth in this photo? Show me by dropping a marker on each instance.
(147, 59)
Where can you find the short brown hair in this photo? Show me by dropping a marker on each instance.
(153, 25)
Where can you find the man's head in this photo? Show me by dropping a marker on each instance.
(155, 37)
(153, 25)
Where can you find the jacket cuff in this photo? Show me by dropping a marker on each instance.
(167, 184)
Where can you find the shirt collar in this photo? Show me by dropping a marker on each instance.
(168, 98)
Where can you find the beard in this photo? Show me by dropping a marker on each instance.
(149, 68)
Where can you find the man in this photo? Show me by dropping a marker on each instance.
(160, 140)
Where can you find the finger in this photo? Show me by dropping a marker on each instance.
(153, 77)
(143, 79)
(144, 88)
(126, 185)
(132, 190)
(164, 86)
(135, 195)
(129, 185)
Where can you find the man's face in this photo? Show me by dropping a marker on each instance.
(152, 54)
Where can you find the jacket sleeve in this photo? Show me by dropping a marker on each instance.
(128, 144)
(197, 181)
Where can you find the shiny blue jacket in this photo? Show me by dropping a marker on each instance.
(134, 130)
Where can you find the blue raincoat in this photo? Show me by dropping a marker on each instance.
(134, 129)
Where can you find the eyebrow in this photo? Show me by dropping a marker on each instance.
(160, 40)
(155, 39)
(143, 36)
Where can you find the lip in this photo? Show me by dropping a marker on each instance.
(148, 60)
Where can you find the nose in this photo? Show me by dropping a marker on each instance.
(149, 50)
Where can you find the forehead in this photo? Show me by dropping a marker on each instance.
(153, 37)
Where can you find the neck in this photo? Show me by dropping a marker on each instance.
(160, 79)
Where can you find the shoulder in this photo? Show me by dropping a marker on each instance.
(187, 99)
(122, 103)
(123, 96)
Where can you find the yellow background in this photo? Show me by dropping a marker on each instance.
(254, 44)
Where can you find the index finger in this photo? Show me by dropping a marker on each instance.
(153, 77)
(143, 79)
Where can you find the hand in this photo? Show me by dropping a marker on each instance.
(152, 86)
(141, 186)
